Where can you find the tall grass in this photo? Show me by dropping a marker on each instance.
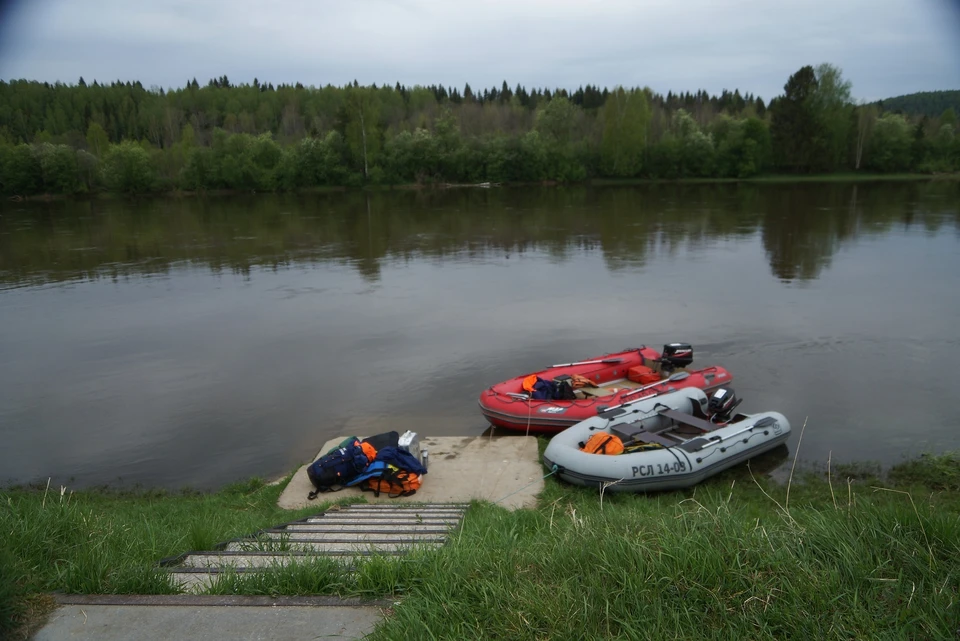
(722, 562)
(108, 542)
(730, 559)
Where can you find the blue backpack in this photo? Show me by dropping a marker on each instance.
(401, 459)
(335, 470)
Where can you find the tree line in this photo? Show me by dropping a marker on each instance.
(923, 103)
(67, 139)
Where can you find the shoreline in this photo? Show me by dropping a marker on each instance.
(771, 179)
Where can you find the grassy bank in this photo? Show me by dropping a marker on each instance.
(108, 542)
(734, 558)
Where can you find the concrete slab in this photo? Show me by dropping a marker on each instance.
(385, 521)
(279, 559)
(274, 540)
(235, 618)
(501, 469)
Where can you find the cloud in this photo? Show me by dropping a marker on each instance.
(886, 49)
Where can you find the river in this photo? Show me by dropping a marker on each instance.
(192, 342)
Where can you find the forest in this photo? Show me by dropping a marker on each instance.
(85, 138)
(923, 103)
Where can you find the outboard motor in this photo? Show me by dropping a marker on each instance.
(675, 355)
(721, 405)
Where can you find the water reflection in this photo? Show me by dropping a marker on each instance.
(802, 227)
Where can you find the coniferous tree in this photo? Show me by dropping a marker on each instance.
(794, 126)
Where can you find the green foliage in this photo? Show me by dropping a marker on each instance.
(832, 107)
(127, 168)
(88, 172)
(312, 163)
(13, 594)
(556, 121)
(359, 116)
(625, 118)
(890, 144)
(97, 140)
(235, 161)
(198, 173)
(412, 157)
(260, 137)
(39, 168)
(923, 103)
(794, 125)
(743, 147)
(58, 168)
(22, 173)
(949, 117)
(939, 472)
(695, 151)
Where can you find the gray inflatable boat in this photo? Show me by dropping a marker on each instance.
(671, 441)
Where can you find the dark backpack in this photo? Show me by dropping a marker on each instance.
(380, 441)
(401, 459)
(552, 390)
(333, 471)
(543, 390)
(563, 391)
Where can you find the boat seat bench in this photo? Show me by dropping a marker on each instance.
(686, 419)
(621, 432)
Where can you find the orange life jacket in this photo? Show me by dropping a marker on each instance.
(603, 443)
(369, 450)
(395, 483)
(529, 383)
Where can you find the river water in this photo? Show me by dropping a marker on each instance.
(194, 342)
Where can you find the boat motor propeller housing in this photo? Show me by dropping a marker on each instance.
(722, 403)
(676, 355)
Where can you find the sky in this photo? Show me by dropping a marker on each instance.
(885, 48)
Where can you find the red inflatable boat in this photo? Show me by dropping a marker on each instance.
(593, 385)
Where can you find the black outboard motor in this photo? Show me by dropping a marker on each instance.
(676, 355)
(721, 405)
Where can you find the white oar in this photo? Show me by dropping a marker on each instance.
(605, 360)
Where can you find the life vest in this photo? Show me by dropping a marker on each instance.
(394, 482)
(530, 383)
(602, 443)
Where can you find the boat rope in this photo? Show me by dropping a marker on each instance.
(529, 414)
(552, 471)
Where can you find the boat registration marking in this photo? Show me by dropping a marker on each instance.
(658, 469)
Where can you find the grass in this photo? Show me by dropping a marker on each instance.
(721, 562)
(848, 559)
(109, 542)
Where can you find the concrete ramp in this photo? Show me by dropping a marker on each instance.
(501, 469)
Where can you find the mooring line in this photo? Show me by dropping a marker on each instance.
(552, 471)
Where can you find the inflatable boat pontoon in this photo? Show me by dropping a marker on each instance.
(507, 405)
(671, 441)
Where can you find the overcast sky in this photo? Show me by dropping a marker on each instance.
(885, 47)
